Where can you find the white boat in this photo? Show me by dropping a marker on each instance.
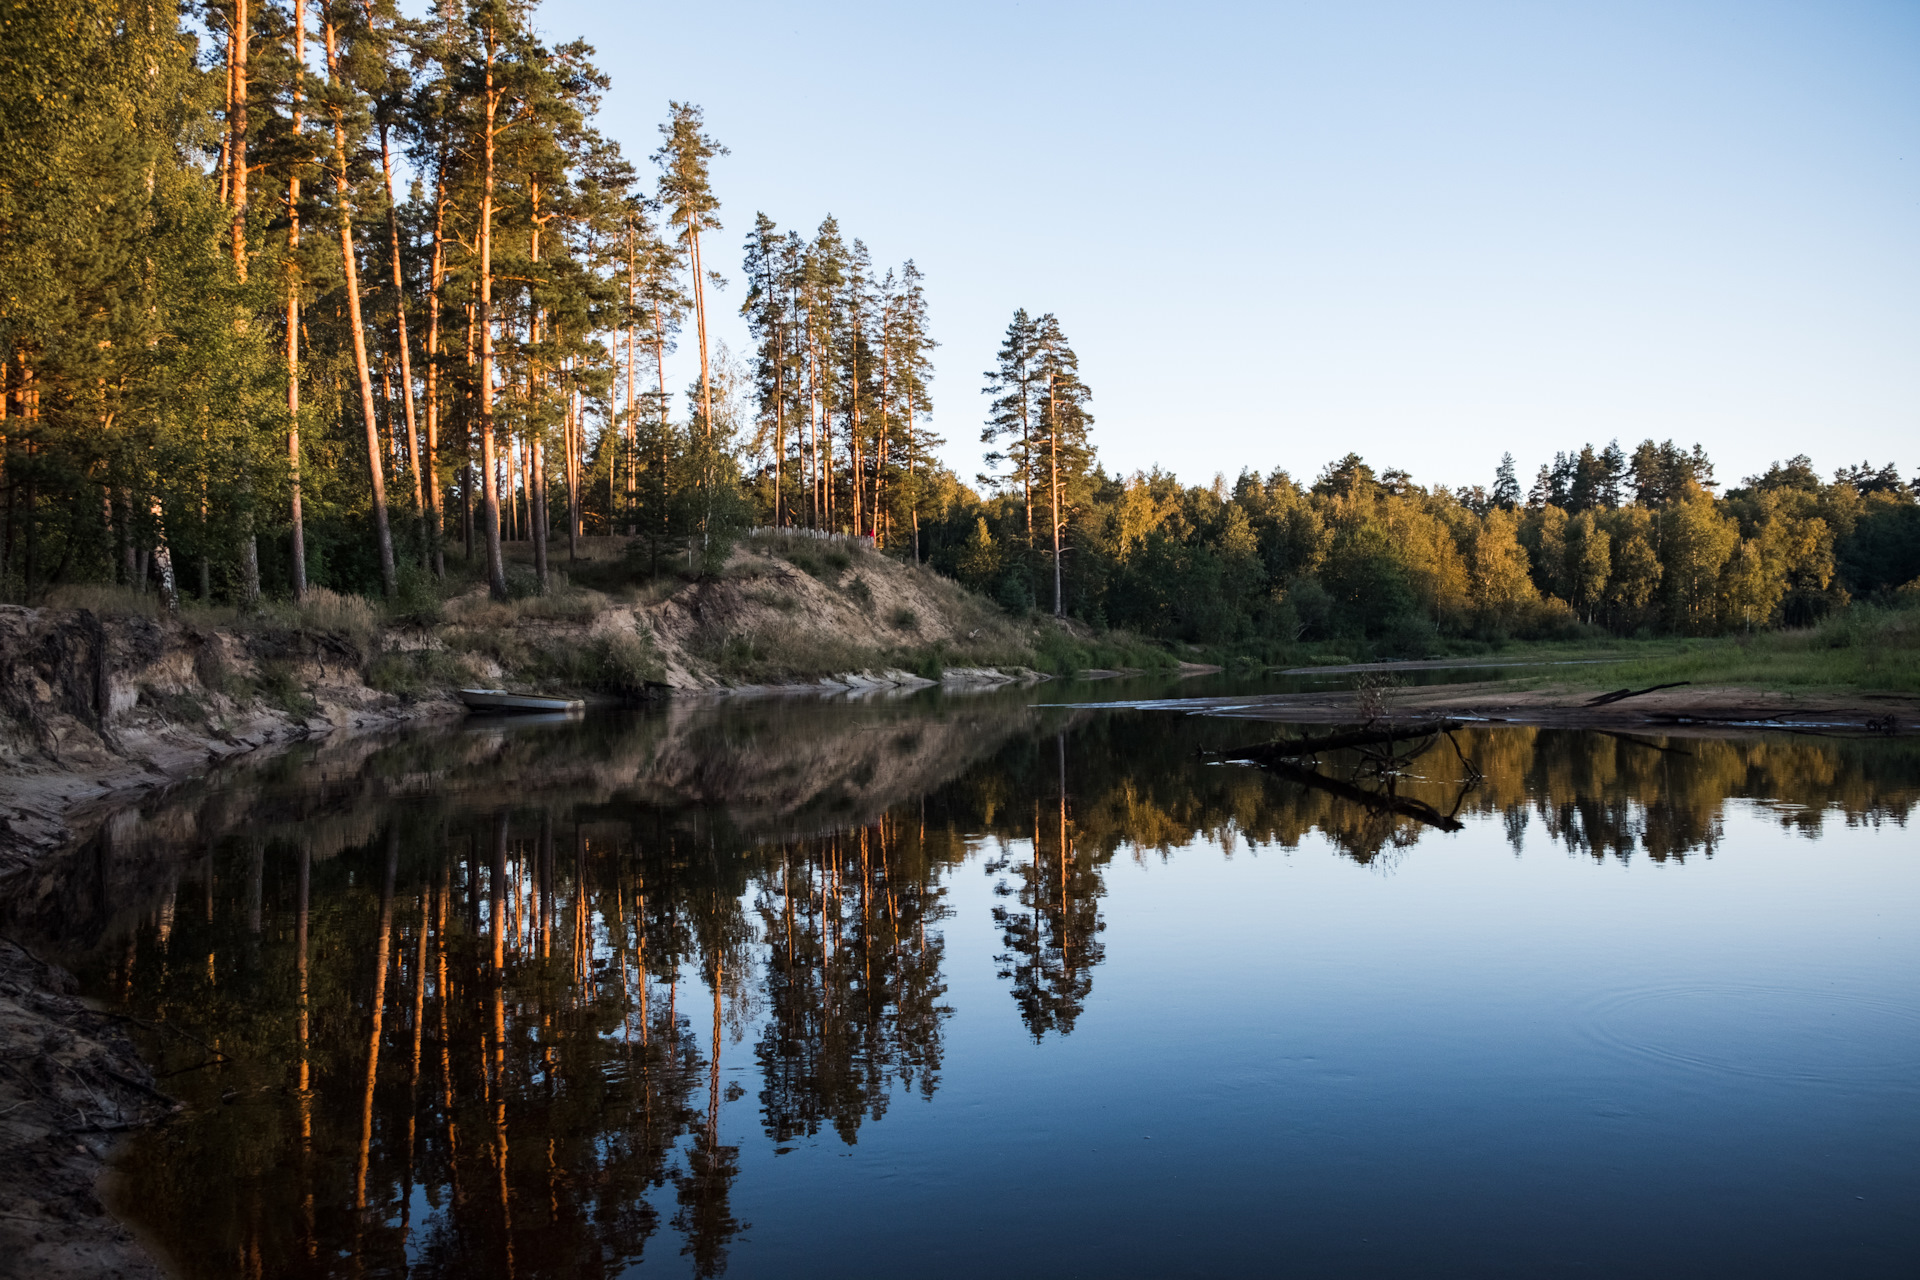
(501, 700)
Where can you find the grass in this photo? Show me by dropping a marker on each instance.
(774, 599)
(1863, 649)
(781, 653)
(106, 601)
(564, 603)
(410, 673)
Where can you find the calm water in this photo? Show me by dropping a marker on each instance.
(960, 987)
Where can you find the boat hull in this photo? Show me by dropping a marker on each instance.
(499, 700)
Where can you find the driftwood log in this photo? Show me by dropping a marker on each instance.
(1621, 695)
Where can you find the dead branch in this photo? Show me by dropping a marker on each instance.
(1406, 807)
(1621, 695)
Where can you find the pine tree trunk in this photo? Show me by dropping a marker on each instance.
(537, 514)
(467, 435)
(779, 417)
(436, 526)
(237, 38)
(700, 319)
(882, 430)
(404, 345)
(573, 474)
(1026, 465)
(1053, 467)
(913, 482)
(496, 569)
(660, 367)
(633, 388)
(237, 130)
(129, 552)
(536, 442)
(362, 369)
(299, 539)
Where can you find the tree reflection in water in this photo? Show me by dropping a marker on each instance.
(1053, 941)
(432, 1030)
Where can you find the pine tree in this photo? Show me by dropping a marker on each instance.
(494, 87)
(1011, 383)
(914, 370)
(686, 191)
(1506, 485)
(298, 163)
(764, 309)
(823, 275)
(658, 309)
(1062, 422)
(857, 309)
(1613, 470)
(353, 46)
(435, 127)
(388, 92)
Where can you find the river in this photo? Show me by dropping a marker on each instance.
(964, 985)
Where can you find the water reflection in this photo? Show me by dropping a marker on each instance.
(476, 1003)
(1052, 935)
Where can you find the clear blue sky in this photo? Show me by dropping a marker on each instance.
(1423, 232)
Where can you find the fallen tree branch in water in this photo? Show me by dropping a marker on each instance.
(1621, 695)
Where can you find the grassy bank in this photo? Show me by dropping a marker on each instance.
(1861, 649)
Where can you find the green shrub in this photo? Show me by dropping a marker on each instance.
(903, 619)
(177, 708)
(413, 672)
(625, 662)
(280, 687)
(416, 600)
(826, 564)
(521, 582)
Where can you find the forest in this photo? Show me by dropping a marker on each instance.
(296, 294)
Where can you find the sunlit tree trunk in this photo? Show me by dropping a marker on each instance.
(351, 270)
(299, 531)
(237, 40)
(436, 527)
(1053, 485)
(496, 568)
(162, 559)
(404, 345)
(536, 435)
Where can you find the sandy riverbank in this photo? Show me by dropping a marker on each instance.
(1692, 708)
